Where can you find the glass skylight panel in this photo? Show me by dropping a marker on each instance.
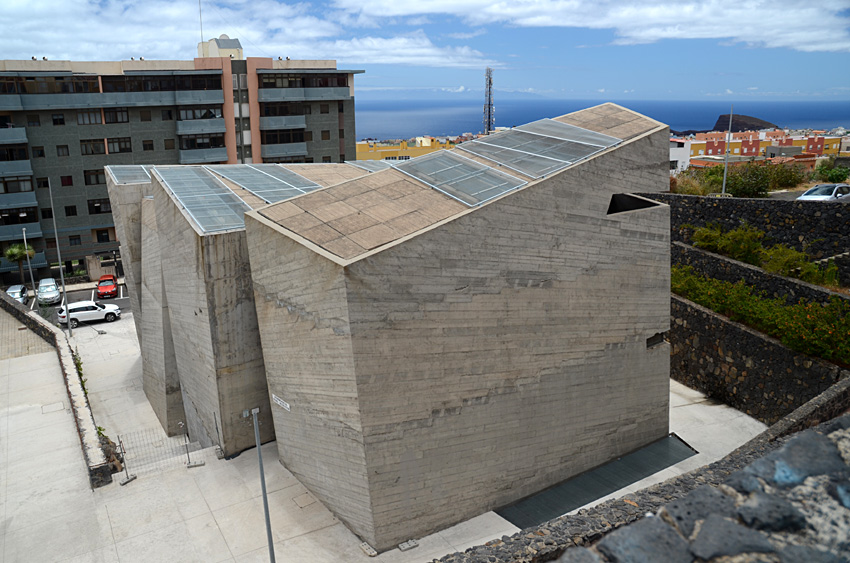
(266, 181)
(210, 203)
(129, 174)
(552, 128)
(459, 177)
(539, 148)
(370, 165)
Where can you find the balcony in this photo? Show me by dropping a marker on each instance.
(15, 168)
(288, 149)
(302, 94)
(13, 136)
(203, 156)
(201, 126)
(283, 122)
(20, 199)
(15, 232)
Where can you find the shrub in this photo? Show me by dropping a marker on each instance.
(743, 243)
(837, 174)
(748, 180)
(809, 328)
(786, 261)
(784, 176)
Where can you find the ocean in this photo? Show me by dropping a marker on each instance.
(404, 119)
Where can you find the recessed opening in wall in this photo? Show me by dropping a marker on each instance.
(654, 340)
(628, 202)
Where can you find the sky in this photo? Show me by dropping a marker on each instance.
(783, 50)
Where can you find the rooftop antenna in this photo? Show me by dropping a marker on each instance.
(201, 19)
(728, 143)
(489, 111)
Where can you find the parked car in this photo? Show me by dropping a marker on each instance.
(48, 292)
(19, 293)
(88, 311)
(107, 286)
(827, 192)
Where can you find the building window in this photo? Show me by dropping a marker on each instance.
(282, 136)
(116, 115)
(168, 144)
(202, 112)
(736, 151)
(710, 151)
(33, 121)
(38, 152)
(58, 119)
(15, 184)
(119, 144)
(50, 243)
(324, 108)
(342, 158)
(74, 240)
(145, 115)
(92, 146)
(89, 117)
(102, 235)
(47, 213)
(18, 152)
(98, 206)
(700, 151)
(326, 135)
(275, 109)
(308, 136)
(42, 182)
(94, 177)
(326, 159)
(70, 210)
(66, 180)
(340, 107)
(191, 142)
(167, 115)
(342, 133)
(19, 216)
(62, 150)
(147, 145)
(673, 164)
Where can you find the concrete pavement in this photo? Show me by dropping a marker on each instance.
(209, 513)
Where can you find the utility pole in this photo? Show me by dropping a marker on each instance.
(728, 143)
(59, 257)
(29, 264)
(489, 111)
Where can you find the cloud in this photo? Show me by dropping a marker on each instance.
(728, 91)
(162, 29)
(752, 88)
(601, 90)
(468, 35)
(803, 26)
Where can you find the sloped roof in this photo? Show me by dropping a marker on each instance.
(611, 119)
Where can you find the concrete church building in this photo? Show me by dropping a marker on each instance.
(455, 332)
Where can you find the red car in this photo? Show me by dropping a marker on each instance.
(107, 286)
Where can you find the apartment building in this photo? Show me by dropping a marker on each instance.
(61, 122)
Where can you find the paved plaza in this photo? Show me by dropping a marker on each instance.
(209, 513)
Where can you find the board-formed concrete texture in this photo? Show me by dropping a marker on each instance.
(432, 361)
(192, 301)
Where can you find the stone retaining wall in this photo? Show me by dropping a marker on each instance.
(548, 541)
(819, 227)
(741, 367)
(726, 269)
(100, 471)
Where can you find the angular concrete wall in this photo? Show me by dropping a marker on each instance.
(491, 357)
(214, 330)
(159, 370)
(303, 317)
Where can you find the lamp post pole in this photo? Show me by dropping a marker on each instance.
(59, 257)
(254, 412)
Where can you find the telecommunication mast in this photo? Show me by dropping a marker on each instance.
(489, 111)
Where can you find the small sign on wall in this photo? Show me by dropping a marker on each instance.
(281, 402)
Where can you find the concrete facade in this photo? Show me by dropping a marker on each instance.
(438, 361)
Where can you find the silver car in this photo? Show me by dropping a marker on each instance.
(19, 293)
(827, 192)
(48, 292)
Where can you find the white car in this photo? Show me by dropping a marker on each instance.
(88, 311)
(827, 192)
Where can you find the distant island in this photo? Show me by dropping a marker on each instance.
(739, 123)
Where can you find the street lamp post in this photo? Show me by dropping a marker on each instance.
(59, 257)
(254, 412)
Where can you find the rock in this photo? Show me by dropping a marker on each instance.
(701, 502)
(808, 453)
(649, 540)
(719, 536)
(840, 491)
(767, 512)
(578, 555)
(744, 482)
(798, 553)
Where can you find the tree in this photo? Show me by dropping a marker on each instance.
(18, 253)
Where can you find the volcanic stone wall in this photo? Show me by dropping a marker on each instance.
(818, 227)
(741, 367)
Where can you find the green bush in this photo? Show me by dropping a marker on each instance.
(827, 171)
(784, 176)
(809, 328)
(837, 174)
(745, 245)
(748, 180)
